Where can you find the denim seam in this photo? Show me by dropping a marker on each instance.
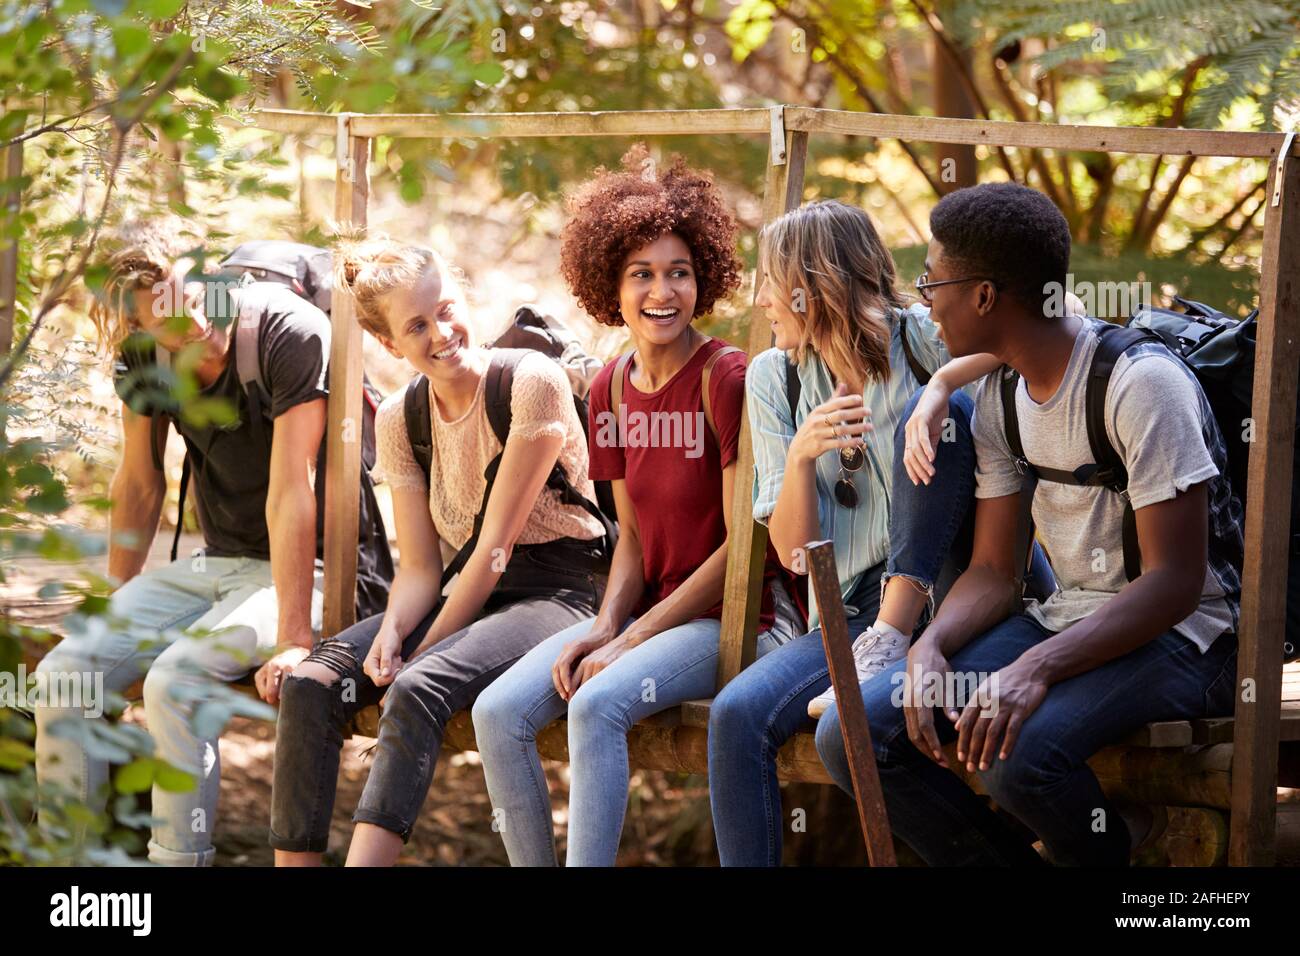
(768, 760)
(540, 790)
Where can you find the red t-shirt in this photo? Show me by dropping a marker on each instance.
(672, 466)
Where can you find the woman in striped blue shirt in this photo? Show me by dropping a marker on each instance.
(827, 410)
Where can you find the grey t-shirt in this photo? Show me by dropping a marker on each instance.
(1159, 421)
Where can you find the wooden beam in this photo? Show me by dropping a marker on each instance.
(343, 429)
(1107, 139)
(522, 125)
(742, 592)
(872, 816)
(916, 129)
(1268, 544)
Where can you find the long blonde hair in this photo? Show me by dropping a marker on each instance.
(830, 265)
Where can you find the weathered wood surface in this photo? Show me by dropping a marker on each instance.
(919, 129)
(343, 428)
(872, 815)
(742, 589)
(1268, 544)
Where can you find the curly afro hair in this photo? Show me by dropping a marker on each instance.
(620, 211)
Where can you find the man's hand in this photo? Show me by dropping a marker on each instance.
(270, 676)
(926, 669)
(1015, 692)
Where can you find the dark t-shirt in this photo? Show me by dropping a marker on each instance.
(230, 469)
(673, 466)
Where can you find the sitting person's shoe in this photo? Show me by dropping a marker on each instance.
(873, 651)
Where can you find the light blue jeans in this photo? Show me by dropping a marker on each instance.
(191, 622)
(676, 665)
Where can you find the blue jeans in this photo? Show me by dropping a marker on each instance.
(930, 533)
(676, 665)
(1045, 782)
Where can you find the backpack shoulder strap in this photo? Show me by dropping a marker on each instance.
(1008, 380)
(920, 371)
(248, 332)
(616, 382)
(1112, 342)
(793, 389)
(248, 364)
(419, 426)
(497, 390)
(705, 394)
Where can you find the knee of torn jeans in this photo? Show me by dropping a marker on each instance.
(330, 661)
(921, 585)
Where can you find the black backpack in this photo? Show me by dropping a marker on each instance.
(307, 270)
(374, 560)
(530, 331)
(1220, 351)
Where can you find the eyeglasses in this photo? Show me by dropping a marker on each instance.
(924, 285)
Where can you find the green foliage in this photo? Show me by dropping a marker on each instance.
(1245, 51)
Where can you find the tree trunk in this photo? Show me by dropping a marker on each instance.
(951, 98)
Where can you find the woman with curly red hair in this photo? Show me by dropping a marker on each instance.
(649, 252)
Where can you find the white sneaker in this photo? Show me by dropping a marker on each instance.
(872, 653)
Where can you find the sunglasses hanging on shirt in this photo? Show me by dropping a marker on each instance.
(851, 460)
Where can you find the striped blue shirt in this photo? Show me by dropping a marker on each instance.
(860, 535)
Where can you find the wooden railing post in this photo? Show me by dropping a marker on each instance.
(872, 816)
(741, 596)
(1268, 537)
(343, 429)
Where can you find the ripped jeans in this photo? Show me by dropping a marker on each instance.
(545, 588)
(931, 528)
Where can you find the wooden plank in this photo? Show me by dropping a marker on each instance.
(872, 816)
(741, 595)
(343, 429)
(1165, 733)
(919, 129)
(293, 121)
(1268, 546)
(611, 123)
(1175, 777)
(679, 749)
(522, 125)
(1108, 139)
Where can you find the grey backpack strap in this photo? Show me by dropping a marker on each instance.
(248, 364)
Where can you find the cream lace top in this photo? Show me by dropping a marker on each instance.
(540, 404)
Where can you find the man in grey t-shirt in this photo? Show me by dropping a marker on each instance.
(1102, 656)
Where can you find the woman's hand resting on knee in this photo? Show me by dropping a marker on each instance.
(583, 659)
